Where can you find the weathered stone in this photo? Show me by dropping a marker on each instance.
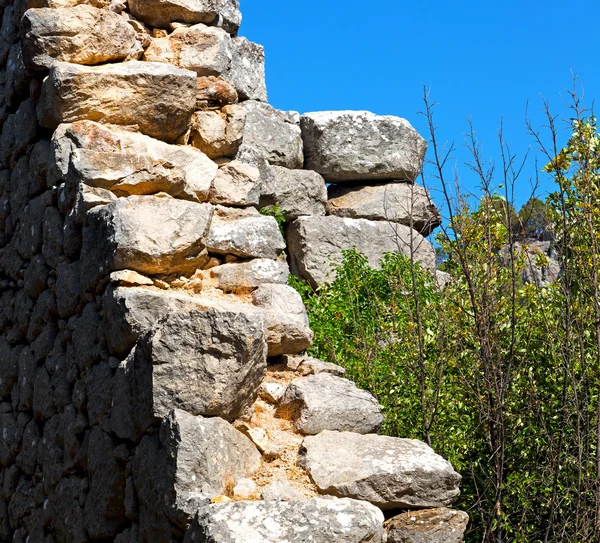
(318, 520)
(236, 184)
(307, 365)
(326, 402)
(295, 192)
(68, 498)
(67, 288)
(396, 202)
(9, 367)
(245, 489)
(27, 458)
(359, 146)
(160, 13)
(271, 392)
(389, 472)
(441, 525)
(246, 237)
(215, 92)
(193, 459)
(218, 133)
(316, 244)
(247, 70)
(156, 98)
(286, 321)
(272, 135)
(43, 403)
(250, 275)
(82, 35)
(147, 234)
(128, 163)
(281, 490)
(202, 49)
(104, 511)
(208, 363)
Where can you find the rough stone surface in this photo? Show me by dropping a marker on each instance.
(389, 472)
(246, 237)
(359, 145)
(82, 35)
(208, 363)
(396, 202)
(236, 184)
(215, 92)
(160, 13)
(218, 133)
(192, 459)
(326, 402)
(296, 192)
(317, 520)
(281, 490)
(247, 70)
(316, 244)
(147, 234)
(250, 275)
(156, 98)
(286, 321)
(202, 49)
(128, 163)
(441, 525)
(272, 135)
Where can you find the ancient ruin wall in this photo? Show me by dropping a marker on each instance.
(150, 349)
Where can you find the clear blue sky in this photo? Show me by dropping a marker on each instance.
(483, 60)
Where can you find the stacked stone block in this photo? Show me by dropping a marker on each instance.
(144, 298)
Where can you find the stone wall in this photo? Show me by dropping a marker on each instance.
(152, 381)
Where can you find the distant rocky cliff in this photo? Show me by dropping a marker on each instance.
(153, 386)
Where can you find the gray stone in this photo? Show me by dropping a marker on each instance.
(82, 35)
(68, 498)
(147, 234)
(441, 525)
(316, 244)
(359, 146)
(247, 70)
(249, 275)
(326, 402)
(236, 184)
(157, 98)
(192, 459)
(246, 237)
(313, 366)
(128, 163)
(318, 520)
(286, 321)
(218, 133)
(160, 13)
(389, 472)
(296, 192)
(403, 203)
(208, 363)
(272, 135)
(282, 491)
(67, 289)
(202, 49)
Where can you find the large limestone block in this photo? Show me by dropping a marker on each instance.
(286, 321)
(128, 163)
(219, 133)
(359, 146)
(147, 234)
(317, 520)
(208, 363)
(181, 467)
(247, 236)
(440, 525)
(297, 193)
(158, 99)
(236, 184)
(403, 203)
(389, 472)
(82, 35)
(160, 13)
(247, 70)
(200, 48)
(316, 244)
(250, 275)
(271, 134)
(326, 402)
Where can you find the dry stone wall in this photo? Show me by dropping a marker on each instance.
(153, 386)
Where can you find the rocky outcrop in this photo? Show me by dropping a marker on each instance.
(154, 384)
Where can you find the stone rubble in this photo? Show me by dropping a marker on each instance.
(154, 385)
